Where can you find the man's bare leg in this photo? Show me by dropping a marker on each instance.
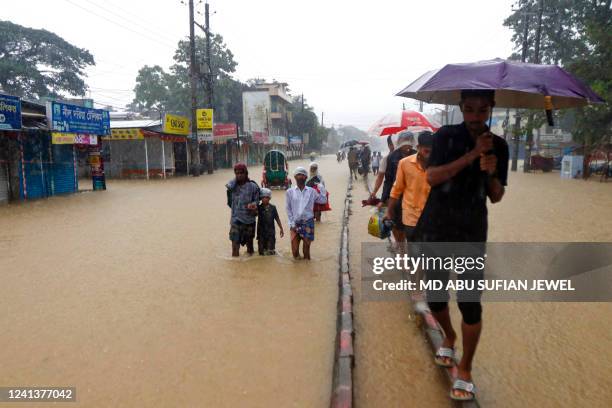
(235, 249)
(306, 248)
(471, 335)
(443, 318)
(295, 247)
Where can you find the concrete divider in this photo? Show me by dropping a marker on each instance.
(342, 384)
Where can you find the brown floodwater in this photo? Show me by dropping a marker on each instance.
(530, 354)
(131, 296)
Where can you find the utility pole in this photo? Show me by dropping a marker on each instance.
(517, 116)
(193, 75)
(539, 32)
(420, 106)
(209, 86)
(536, 60)
(209, 78)
(322, 113)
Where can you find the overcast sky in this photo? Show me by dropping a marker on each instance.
(348, 57)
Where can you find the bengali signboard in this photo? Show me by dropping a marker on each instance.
(225, 130)
(73, 138)
(205, 119)
(295, 140)
(176, 125)
(10, 113)
(66, 118)
(260, 137)
(125, 134)
(205, 136)
(281, 140)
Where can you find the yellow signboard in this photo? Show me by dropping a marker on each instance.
(124, 134)
(176, 125)
(73, 138)
(205, 119)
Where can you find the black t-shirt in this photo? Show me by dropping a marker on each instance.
(456, 211)
(265, 223)
(391, 171)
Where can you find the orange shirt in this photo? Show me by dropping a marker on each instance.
(411, 181)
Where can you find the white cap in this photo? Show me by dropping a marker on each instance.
(265, 192)
(300, 170)
(405, 138)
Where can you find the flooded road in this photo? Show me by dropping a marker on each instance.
(131, 296)
(530, 354)
(547, 354)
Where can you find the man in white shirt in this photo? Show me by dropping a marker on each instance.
(300, 211)
(380, 177)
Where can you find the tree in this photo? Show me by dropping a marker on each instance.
(575, 35)
(305, 122)
(171, 91)
(37, 63)
(593, 123)
(152, 90)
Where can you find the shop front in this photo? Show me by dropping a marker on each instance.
(140, 152)
(75, 132)
(10, 124)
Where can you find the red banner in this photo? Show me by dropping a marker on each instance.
(260, 137)
(164, 136)
(225, 130)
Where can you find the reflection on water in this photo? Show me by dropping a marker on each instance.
(285, 257)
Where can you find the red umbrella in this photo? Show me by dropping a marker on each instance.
(406, 120)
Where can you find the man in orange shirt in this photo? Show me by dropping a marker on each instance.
(411, 185)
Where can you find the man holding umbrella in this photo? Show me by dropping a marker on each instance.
(467, 164)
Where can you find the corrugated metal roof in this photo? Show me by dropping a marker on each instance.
(126, 124)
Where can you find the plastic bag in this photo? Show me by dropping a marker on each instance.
(376, 227)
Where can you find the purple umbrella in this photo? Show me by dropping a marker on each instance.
(516, 85)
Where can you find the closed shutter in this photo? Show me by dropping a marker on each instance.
(35, 151)
(62, 173)
(4, 190)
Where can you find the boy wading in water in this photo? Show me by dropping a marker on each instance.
(467, 164)
(300, 211)
(242, 197)
(266, 232)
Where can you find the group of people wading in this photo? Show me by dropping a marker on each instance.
(253, 216)
(434, 194)
(438, 194)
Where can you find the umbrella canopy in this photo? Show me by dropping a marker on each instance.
(349, 143)
(516, 85)
(405, 120)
